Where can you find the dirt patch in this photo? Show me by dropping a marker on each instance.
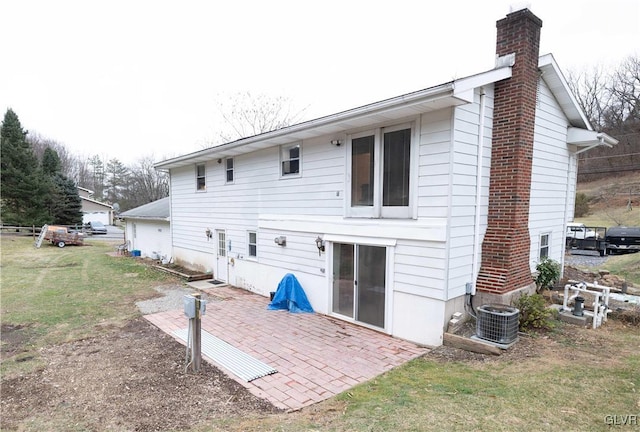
(14, 339)
(132, 379)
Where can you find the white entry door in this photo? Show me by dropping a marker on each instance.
(221, 256)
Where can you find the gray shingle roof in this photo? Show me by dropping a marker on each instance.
(158, 210)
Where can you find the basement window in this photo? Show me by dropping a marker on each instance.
(544, 246)
(253, 244)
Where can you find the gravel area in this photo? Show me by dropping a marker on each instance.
(171, 299)
(584, 258)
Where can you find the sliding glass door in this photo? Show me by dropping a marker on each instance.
(359, 281)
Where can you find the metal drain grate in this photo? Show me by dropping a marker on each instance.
(231, 358)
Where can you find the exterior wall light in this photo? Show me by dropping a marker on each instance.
(280, 241)
(336, 142)
(320, 245)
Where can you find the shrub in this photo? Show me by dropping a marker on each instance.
(534, 313)
(548, 273)
(581, 207)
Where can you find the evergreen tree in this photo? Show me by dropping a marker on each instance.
(23, 186)
(63, 201)
(50, 162)
(117, 177)
(67, 209)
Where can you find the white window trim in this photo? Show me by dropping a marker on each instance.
(249, 256)
(204, 177)
(548, 246)
(280, 159)
(226, 170)
(378, 210)
(364, 211)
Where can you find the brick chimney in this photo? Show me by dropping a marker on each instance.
(506, 244)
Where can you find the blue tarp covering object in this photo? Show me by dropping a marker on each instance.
(290, 296)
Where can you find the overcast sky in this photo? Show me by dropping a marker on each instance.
(132, 78)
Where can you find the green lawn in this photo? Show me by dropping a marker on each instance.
(58, 295)
(571, 380)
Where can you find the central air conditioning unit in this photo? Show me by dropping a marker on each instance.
(498, 324)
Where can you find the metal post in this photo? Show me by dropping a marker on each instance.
(196, 353)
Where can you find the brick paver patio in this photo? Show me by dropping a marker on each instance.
(316, 356)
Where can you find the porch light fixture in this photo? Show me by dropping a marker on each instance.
(320, 245)
(208, 233)
(336, 142)
(280, 241)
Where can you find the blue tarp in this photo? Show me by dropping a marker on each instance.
(290, 296)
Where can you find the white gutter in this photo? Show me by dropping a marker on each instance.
(476, 224)
(588, 139)
(377, 107)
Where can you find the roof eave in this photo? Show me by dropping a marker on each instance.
(559, 86)
(588, 139)
(293, 133)
(146, 218)
(453, 93)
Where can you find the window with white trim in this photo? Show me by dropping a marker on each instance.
(544, 246)
(252, 244)
(201, 182)
(290, 159)
(380, 178)
(229, 169)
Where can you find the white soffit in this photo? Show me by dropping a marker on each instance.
(552, 75)
(584, 137)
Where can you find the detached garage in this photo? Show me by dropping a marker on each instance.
(93, 210)
(147, 229)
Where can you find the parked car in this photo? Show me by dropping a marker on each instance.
(580, 231)
(623, 239)
(95, 227)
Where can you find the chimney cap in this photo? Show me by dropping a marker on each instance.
(518, 6)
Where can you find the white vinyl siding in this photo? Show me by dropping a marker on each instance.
(553, 171)
(255, 190)
(462, 209)
(434, 164)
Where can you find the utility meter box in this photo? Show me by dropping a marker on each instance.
(189, 303)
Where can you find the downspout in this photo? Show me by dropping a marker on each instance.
(476, 225)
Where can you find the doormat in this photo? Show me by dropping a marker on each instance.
(231, 358)
(216, 282)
